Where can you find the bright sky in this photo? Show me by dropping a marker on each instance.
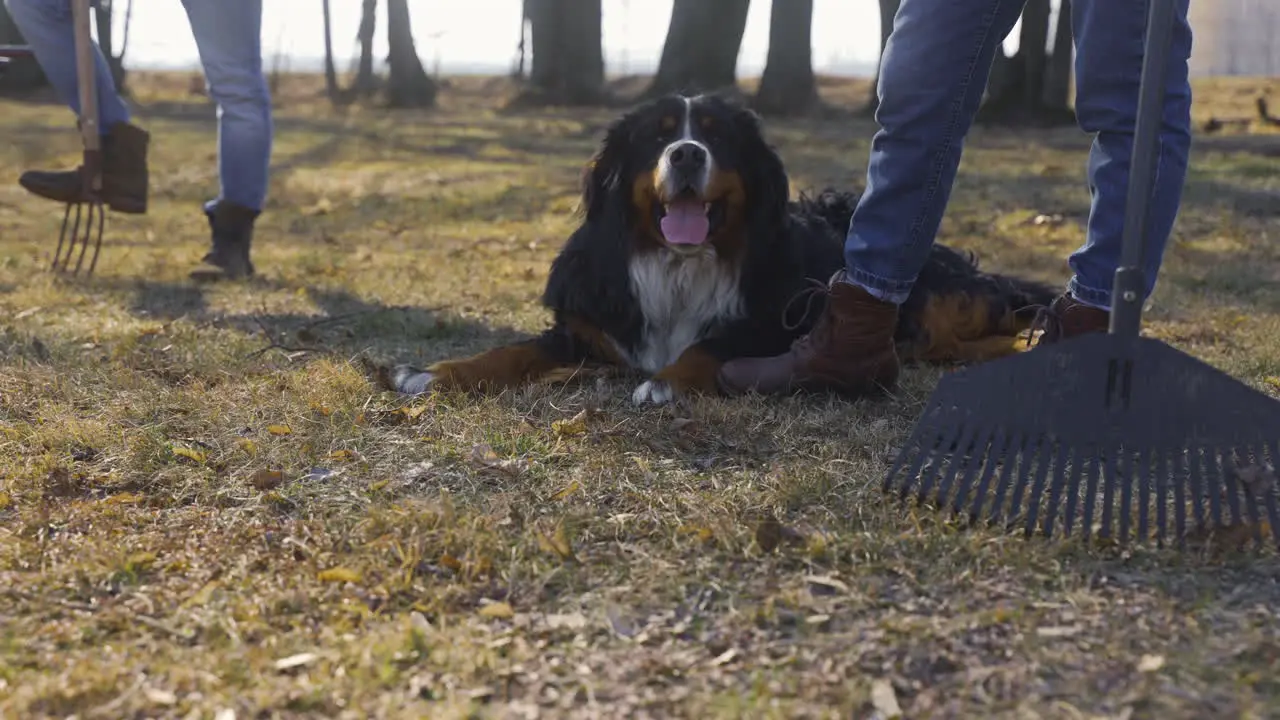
(485, 33)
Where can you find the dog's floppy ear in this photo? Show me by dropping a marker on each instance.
(768, 187)
(604, 173)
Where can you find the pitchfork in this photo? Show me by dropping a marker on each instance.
(84, 220)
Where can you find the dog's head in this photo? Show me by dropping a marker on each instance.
(688, 173)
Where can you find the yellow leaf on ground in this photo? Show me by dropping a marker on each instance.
(5, 500)
(195, 456)
(266, 479)
(572, 488)
(339, 575)
(575, 425)
(557, 543)
(343, 455)
(498, 610)
(279, 430)
(249, 447)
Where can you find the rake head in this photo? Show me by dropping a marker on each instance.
(1118, 433)
(80, 234)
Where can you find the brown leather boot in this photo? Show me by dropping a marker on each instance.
(124, 173)
(228, 259)
(1066, 318)
(849, 351)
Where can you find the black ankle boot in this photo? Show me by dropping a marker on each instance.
(232, 228)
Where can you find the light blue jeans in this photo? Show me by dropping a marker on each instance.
(228, 37)
(932, 79)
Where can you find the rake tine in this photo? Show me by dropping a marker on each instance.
(1213, 486)
(930, 471)
(1181, 461)
(84, 239)
(1238, 487)
(1162, 497)
(62, 235)
(62, 261)
(926, 452)
(1269, 490)
(972, 455)
(1037, 488)
(958, 457)
(97, 244)
(1144, 495)
(984, 484)
(1197, 488)
(1128, 473)
(981, 457)
(1231, 482)
(913, 442)
(1016, 455)
(1072, 490)
(1110, 476)
(1091, 492)
(1055, 486)
(1032, 459)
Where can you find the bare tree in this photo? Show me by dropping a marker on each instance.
(330, 71)
(104, 16)
(888, 9)
(568, 56)
(700, 53)
(408, 85)
(788, 85)
(1018, 89)
(366, 83)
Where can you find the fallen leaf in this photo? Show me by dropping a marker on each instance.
(279, 430)
(576, 425)
(203, 595)
(1058, 631)
(5, 501)
(826, 585)
(266, 479)
(572, 488)
(317, 408)
(339, 575)
(451, 562)
(139, 561)
(496, 610)
(769, 534)
(567, 621)
(557, 543)
(249, 447)
(885, 699)
(196, 456)
(124, 498)
(225, 714)
(160, 697)
(1150, 663)
(484, 456)
(296, 661)
(725, 657)
(342, 455)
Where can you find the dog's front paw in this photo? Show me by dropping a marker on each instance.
(409, 380)
(654, 392)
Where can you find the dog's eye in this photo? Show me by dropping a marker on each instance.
(667, 124)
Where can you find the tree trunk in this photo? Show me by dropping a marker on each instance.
(787, 86)
(888, 9)
(104, 14)
(365, 83)
(330, 71)
(700, 53)
(1018, 86)
(568, 56)
(409, 85)
(20, 75)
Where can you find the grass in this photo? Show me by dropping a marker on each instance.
(205, 507)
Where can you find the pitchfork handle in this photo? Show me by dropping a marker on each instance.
(1130, 281)
(86, 76)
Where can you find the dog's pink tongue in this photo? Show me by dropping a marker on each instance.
(685, 223)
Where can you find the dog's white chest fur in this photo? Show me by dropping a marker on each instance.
(681, 297)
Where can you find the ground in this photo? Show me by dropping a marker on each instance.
(208, 511)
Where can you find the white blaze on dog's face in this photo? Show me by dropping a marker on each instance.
(683, 179)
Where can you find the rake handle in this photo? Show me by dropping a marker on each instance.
(85, 77)
(1130, 281)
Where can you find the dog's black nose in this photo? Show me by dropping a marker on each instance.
(687, 157)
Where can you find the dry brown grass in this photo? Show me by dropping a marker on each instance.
(191, 524)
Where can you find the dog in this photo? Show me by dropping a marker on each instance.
(690, 253)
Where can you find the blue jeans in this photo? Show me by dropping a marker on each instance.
(228, 37)
(932, 79)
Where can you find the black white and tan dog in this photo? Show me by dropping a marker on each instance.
(690, 253)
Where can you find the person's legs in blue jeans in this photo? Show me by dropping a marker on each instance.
(228, 36)
(933, 74)
(932, 77)
(1109, 50)
(47, 27)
